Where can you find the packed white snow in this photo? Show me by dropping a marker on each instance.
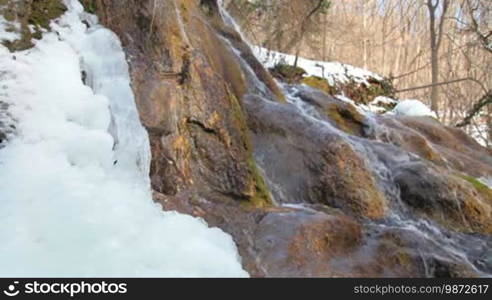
(413, 108)
(74, 191)
(334, 72)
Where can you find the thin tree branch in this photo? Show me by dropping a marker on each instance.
(435, 84)
(477, 107)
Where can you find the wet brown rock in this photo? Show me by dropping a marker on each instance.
(322, 167)
(249, 61)
(220, 150)
(462, 151)
(300, 243)
(326, 243)
(394, 252)
(187, 83)
(394, 132)
(449, 200)
(343, 115)
(442, 145)
(318, 83)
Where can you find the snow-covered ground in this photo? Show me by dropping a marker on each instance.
(337, 73)
(334, 72)
(75, 197)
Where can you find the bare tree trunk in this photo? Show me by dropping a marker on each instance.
(364, 30)
(489, 125)
(434, 76)
(325, 25)
(303, 28)
(436, 34)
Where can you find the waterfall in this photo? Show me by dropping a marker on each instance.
(229, 20)
(452, 245)
(74, 189)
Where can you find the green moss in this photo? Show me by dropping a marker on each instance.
(89, 6)
(261, 196)
(375, 90)
(346, 118)
(39, 14)
(479, 186)
(43, 11)
(262, 193)
(318, 83)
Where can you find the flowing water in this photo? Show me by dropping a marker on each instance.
(74, 187)
(458, 247)
(467, 249)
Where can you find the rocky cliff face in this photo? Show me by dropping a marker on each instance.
(306, 184)
(319, 191)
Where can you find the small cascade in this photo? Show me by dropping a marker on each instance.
(229, 20)
(379, 157)
(255, 85)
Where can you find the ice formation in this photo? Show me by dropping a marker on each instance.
(74, 191)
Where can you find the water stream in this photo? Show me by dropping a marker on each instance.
(467, 249)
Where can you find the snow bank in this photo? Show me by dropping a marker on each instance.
(413, 108)
(334, 72)
(74, 197)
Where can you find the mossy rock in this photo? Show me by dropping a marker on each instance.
(346, 118)
(44, 11)
(365, 93)
(481, 188)
(261, 197)
(319, 83)
(90, 6)
(288, 73)
(260, 194)
(450, 199)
